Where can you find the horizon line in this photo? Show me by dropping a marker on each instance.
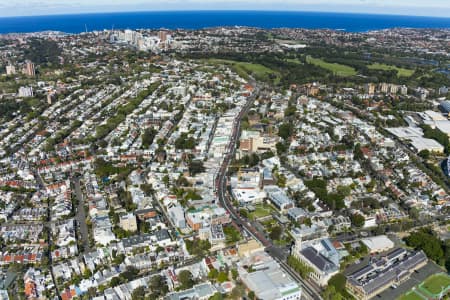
(224, 10)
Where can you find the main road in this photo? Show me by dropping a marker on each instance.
(308, 290)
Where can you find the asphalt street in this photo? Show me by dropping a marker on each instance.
(80, 217)
(308, 292)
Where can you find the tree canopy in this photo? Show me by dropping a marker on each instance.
(198, 247)
(148, 136)
(425, 239)
(276, 233)
(357, 220)
(285, 130)
(186, 279)
(319, 187)
(185, 142)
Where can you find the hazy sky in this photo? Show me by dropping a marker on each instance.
(438, 8)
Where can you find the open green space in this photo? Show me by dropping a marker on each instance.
(282, 242)
(337, 69)
(294, 60)
(261, 210)
(400, 71)
(412, 295)
(429, 288)
(269, 223)
(244, 69)
(436, 283)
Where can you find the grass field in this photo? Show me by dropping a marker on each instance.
(244, 69)
(294, 60)
(435, 283)
(400, 71)
(429, 288)
(282, 242)
(261, 211)
(338, 69)
(410, 296)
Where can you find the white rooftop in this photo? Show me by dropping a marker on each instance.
(380, 242)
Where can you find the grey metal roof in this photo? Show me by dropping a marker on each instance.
(385, 271)
(445, 105)
(395, 253)
(320, 261)
(136, 240)
(162, 234)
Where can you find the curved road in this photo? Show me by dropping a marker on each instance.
(307, 290)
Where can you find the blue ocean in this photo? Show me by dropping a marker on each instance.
(201, 19)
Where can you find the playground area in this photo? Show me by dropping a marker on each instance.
(434, 287)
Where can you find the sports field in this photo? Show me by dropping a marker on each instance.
(412, 295)
(337, 69)
(244, 69)
(430, 288)
(400, 71)
(436, 283)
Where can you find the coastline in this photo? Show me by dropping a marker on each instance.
(351, 22)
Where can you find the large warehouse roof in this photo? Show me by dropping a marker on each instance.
(378, 243)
